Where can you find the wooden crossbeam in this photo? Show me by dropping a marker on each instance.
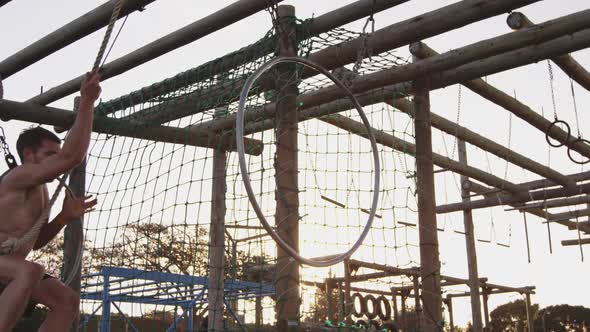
(66, 35)
(194, 31)
(567, 63)
(12, 110)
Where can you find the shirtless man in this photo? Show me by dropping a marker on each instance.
(23, 196)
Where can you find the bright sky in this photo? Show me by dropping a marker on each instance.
(559, 277)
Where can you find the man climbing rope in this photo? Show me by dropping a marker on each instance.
(24, 199)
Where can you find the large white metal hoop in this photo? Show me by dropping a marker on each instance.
(318, 261)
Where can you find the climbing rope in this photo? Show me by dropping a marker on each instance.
(107, 35)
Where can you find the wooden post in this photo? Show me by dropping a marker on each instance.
(451, 320)
(258, 318)
(567, 63)
(340, 303)
(74, 232)
(429, 255)
(529, 314)
(417, 306)
(395, 311)
(347, 303)
(329, 300)
(486, 312)
(404, 321)
(470, 247)
(287, 199)
(217, 239)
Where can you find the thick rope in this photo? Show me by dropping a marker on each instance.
(12, 244)
(107, 35)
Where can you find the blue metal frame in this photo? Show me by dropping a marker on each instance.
(158, 288)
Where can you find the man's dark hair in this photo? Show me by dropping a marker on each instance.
(33, 138)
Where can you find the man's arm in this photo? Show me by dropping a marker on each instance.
(50, 230)
(74, 148)
(73, 208)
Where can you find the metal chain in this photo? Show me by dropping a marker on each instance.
(273, 10)
(552, 89)
(10, 160)
(364, 50)
(575, 107)
(457, 122)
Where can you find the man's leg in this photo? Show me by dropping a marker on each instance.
(20, 277)
(62, 301)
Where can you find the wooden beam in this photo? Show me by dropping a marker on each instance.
(215, 295)
(410, 149)
(553, 203)
(529, 313)
(12, 110)
(347, 295)
(575, 242)
(389, 79)
(427, 230)
(544, 183)
(387, 268)
(569, 215)
(396, 35)
(194, 31)
(484, 143)
(347, 14)
(520, 197)
(537, 211)
(66, 35)
(495, 291)
(467, 74)
(74, 232)
(423, 26)
(470, 248)
(318, 25)
(286, 193)
(567, 63)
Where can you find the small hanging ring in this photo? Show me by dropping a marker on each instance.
(555, 123)
(569, 150)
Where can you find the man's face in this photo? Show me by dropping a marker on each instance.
(47, 149)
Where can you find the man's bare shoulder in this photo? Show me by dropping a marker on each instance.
(9, 179)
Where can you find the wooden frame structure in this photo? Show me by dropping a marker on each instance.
(527, 44)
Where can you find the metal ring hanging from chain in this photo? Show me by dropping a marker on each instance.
(240, 115)
(553, 124)
(569, 150)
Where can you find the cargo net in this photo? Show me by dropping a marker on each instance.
(149, 242)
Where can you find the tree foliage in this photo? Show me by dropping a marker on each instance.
(511, 316)
(562, 318)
